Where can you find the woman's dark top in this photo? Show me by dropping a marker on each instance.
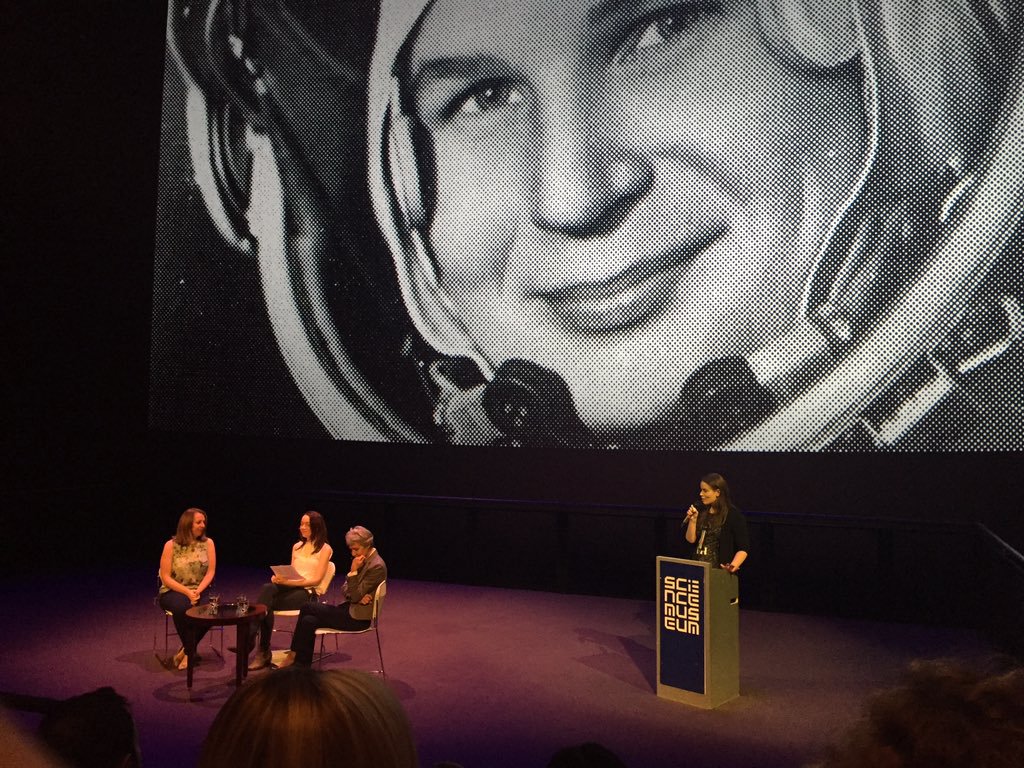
(723, 538)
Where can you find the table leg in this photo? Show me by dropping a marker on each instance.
(241, 657)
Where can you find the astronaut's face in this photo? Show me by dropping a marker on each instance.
(626, 189)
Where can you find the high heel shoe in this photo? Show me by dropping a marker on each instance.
(183, 663)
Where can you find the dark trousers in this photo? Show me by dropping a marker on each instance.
(177, 604)
(280, 598)
(312, 617)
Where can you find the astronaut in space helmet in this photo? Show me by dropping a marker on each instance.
(673, 224)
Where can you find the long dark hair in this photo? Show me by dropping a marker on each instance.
(724, 504)
(317, 531)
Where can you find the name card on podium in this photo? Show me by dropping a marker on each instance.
(698, 633)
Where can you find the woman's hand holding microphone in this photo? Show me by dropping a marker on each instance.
(690, 525)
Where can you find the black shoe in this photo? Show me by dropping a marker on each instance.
(262, 660)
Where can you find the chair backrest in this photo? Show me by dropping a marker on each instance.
(378, 599)
(321, 588)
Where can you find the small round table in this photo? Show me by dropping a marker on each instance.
(199, 615)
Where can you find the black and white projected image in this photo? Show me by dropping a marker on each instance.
(750, 225)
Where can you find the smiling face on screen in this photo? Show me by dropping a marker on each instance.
(625, 190)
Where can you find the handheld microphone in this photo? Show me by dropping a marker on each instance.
(686, 518)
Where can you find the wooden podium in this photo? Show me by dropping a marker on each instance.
(698, 634)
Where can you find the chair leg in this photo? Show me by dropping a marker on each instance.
(214, 647)
(285, 630)
(165, 640)
(380, 655)
(324, 655)
(167, 634)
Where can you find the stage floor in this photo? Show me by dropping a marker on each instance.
(491, 678)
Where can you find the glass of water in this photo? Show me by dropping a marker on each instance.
(214, 604)
(242, 602)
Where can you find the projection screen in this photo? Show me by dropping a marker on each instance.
(749, 225)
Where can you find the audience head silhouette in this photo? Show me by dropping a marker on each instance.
(94, 730)
(299, 716)
(944, 715)
(588, 755)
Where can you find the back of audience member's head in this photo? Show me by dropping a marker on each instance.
(589, 755)
(94, 730)
(301, 717)
(944, 715)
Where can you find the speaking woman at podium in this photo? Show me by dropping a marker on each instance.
(718, 532)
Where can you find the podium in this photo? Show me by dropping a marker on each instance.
(698, 634)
